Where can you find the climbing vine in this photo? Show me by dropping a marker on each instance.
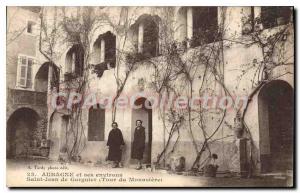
(178, 70)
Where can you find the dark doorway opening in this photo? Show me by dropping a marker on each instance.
(276, 124)
(21, 133)
(144, 114)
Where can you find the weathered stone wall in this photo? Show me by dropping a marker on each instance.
(228, 147)
(24, 43)
(20, 42)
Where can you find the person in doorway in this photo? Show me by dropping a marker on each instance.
(115, 143)
(138, 145)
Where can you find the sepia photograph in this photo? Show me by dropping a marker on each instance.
(150, 96)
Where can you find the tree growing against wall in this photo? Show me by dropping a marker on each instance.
(177, 71)
(275, 48)
(174, 71)
(57, 27)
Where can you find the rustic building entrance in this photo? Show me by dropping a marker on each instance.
(22, 133)
(144, 114)
(276, 123)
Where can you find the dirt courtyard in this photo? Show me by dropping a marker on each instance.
(33, 173)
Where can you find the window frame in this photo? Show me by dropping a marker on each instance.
(250, 20)
(32, 27)
(19, 69)
(278, 14)
(149, 50)
(207, 30)
(74, 62)
(91, 138)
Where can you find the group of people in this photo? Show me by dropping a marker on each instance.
(116, 144)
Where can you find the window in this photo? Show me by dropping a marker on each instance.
(145, 36)
(275, 16)
(96, 124)
(24, 73)
(205, 25)
(30, 27)
(105, 50)
(110, 49)
(150, 40)
(75, 61)
(248, 21)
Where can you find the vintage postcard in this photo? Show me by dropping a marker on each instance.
(182, 96)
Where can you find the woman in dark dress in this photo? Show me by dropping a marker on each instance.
(138, 145)
(115, 143)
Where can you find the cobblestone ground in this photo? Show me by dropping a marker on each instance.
(45, 173)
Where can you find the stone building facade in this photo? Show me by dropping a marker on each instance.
(148, 31)
(27, 85)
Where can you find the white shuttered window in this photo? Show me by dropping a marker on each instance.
(24, 73)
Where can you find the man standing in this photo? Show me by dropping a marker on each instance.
(115, 143)
(138, 145)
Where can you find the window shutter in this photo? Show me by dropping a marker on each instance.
(22, 71)
(30, 62)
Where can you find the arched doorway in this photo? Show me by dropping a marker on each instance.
(21, 135)
(276, 123)
(145, 115)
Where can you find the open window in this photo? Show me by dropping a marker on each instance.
(205, 25)
(248, 21)
(30, 27)
(275, 16)
(74, 62)
(105, 50)
(151, 37)
(145, 35)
